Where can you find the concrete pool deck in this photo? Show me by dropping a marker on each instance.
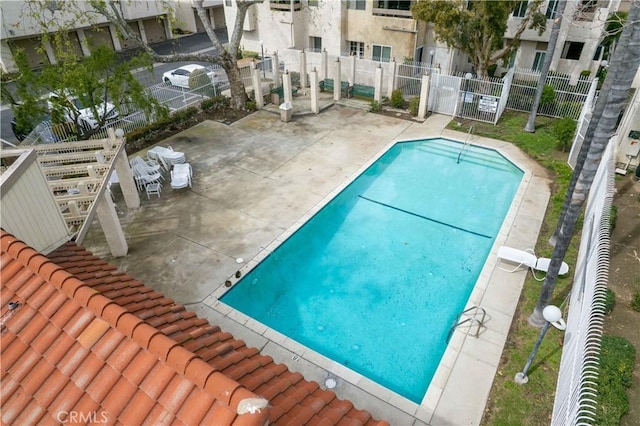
(255, 182)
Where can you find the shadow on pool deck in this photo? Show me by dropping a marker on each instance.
(256, 179)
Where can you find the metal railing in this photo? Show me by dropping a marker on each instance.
(466, 145)
(172, 97)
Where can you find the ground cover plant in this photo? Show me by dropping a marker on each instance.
(530, 404)
(617, 359)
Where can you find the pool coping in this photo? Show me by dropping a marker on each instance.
(460, 387)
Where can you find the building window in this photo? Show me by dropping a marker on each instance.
(227, 3)
(589, 6)
(313, 3)
(315, 44)
(598, 53)
(394, 8)
(551, 9)
(572, 50)
(538, 60)
(521, 9)
(381, 53)
(357, 4)
(394, 4)
(356, 48)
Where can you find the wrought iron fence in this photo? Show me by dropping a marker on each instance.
(409, 77)
(479, 99)
(562, 98)
(172, 97)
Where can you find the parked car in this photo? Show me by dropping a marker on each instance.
(180, 76)
(72, 108)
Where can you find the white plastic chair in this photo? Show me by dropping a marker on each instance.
(153, 188)
(181, 176)
(166, 156)
(149, 166)
(527, 258)
(143, 179)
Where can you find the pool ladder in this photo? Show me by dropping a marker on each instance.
(466, 145)
(472, 317)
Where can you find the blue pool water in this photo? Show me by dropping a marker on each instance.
(375, 279)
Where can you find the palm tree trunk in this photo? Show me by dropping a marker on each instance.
(548, 57)
(624, 66)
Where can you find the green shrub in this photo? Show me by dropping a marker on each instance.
(613, 216)
(585, 73)
(251, 105)
(564, 130)
(414, 104)
(635, 301)
(166, 122)
(397, 99)
(548, 95)
(216, 102)
(609, 301)
(375, 106)
(250, 54)
(617, 358)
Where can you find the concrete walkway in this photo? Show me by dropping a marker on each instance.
(255, 182)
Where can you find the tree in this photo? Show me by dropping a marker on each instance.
(612, 32)
(477, 27)
(78, 93)
(546, 64)
(624, 66)
(92, 11)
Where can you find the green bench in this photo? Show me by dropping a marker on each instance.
(361, 91)
(327, 84)
(279, 92)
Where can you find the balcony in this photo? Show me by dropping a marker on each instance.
(393, 8)
(285, 5)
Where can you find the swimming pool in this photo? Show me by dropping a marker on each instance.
(375, 279)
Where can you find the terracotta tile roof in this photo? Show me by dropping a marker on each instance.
(70, 354)
(293, 400)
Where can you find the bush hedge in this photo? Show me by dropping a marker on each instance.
(397, 99)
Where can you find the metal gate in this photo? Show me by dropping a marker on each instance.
(443, 93)
(409, 79)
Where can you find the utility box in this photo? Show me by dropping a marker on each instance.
(286, 112)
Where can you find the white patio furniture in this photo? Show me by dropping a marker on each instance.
(149, 166)
(143, 179)
(153, 188)
(166, 156)
(181, 176)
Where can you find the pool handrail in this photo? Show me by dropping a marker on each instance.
(467, 143)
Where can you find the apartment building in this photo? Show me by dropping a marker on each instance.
(579, 46)
(378, 30)
(384, 29)
(151, 20)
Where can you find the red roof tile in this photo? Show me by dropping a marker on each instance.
(68, 351)
(293, 400)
